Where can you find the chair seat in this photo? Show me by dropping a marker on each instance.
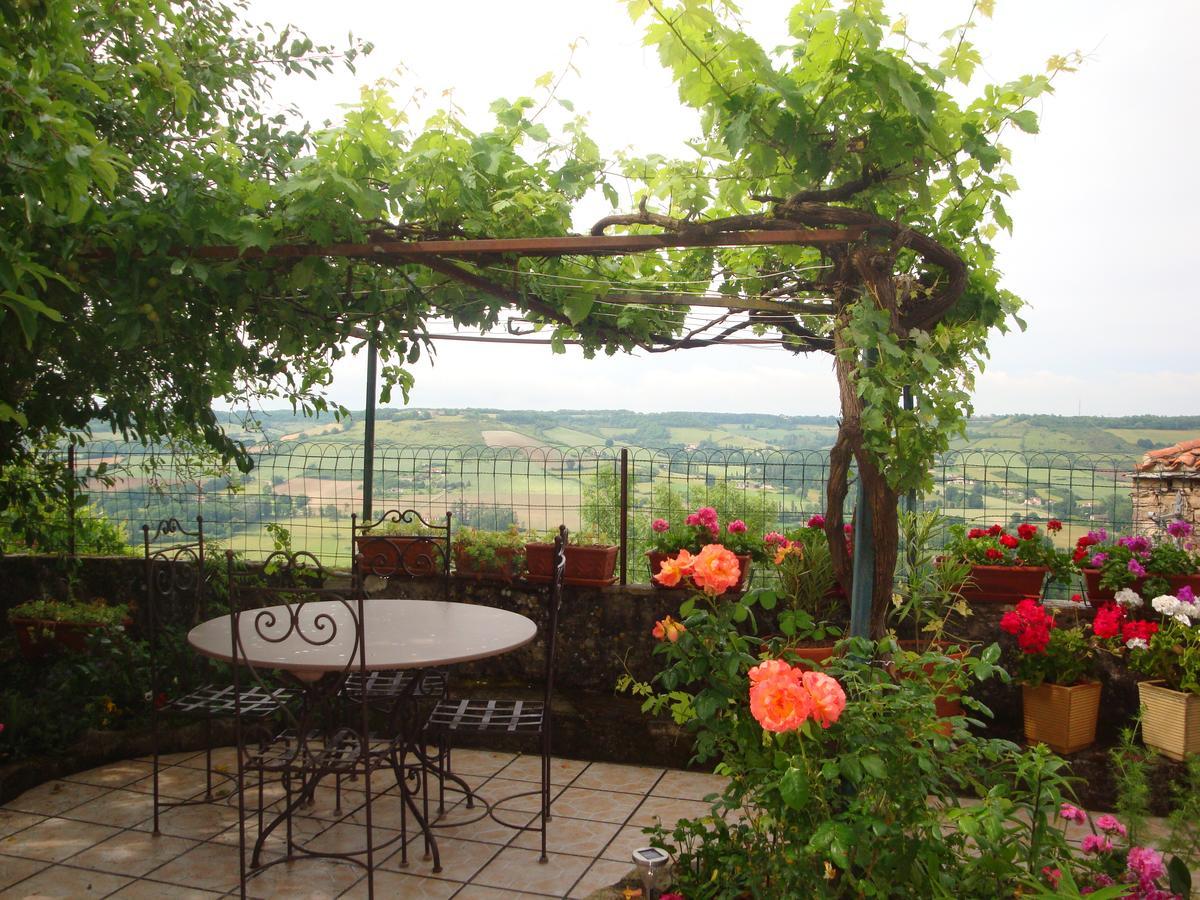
(221, 700)
(392, 683)
(340, 753)
(521, 716)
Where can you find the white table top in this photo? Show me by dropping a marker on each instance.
(401, 634)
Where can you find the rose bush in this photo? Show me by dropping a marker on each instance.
(842, 779)
(704, 527)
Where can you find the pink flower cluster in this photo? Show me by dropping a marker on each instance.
(783, 697)
(706, 517)
(1143, 866)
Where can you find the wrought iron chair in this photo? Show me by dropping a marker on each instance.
(177, 591)
(401, 557)
(321, 738)
(521, 717)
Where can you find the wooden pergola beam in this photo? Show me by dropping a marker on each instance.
(568, 245)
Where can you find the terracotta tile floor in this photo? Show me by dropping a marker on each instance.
(89, 835)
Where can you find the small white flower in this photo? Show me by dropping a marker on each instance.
(1182, 618)
(1137, 644)
(1166, 604)
(1128, 598)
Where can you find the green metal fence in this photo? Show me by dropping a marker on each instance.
(312, 490)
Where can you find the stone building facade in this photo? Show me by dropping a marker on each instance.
(1166, 486)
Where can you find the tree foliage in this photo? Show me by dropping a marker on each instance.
(136, 131)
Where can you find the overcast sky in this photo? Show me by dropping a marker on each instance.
(1103, 247)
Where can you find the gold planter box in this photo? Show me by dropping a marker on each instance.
(1062, 717)
(1170, 720)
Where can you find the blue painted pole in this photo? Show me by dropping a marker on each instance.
(863, 587)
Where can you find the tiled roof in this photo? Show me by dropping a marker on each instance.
(1183, 457)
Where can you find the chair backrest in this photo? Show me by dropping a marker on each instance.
(175, 588)
(289, 600)
(556, 584)
(402, 556)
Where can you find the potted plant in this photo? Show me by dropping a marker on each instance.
(1151, 568)
(43, 624)
(698, 530)
(1007, 568)
(401, 543)
(591, 562)
(497, 555)
(1061, 707)
(1168, 653)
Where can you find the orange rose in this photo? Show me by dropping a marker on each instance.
(828, 698)
(772, 668)
(672, 570)
(668, 629)
(715, 570)
(780, 703)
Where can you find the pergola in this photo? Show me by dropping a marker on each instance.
(861, 247)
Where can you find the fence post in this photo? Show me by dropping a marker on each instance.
(369, 433)
(71, 500)
(624, 515)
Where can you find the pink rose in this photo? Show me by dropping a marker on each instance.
(828, 698)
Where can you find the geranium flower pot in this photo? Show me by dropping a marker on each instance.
(38, 637)
(1170, 720)
(1098, 595)
(1061, 716)
(587, 564)
(1004, 584)
(398, 554)
(656, 560)
(947, 700)
(505, 566)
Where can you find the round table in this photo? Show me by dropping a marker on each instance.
(400, 634)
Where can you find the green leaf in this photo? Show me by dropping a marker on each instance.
(794, 788)
(873, 765)
(1026, 120)
(578, 307)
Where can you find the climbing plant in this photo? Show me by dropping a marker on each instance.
(139, 136)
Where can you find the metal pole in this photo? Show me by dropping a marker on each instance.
(863, 587)
(624, 527)
(71, 500)
(910, 499)
(369, 431)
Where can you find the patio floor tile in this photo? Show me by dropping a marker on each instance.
(210, 867)
(601, 874)
(200, 822)
(689, 785)
(460, 859)
(120, 807)
(628, 839)
(304, 879)
(578, 837)
(529, 768)
(584, 803)
(54, 797)
(12, 821)
(479, 762)
(55, 839)
(157, 890)
(132, 853)
(405, 887)
(667, 811)
(519, 870)
(612, 777)
(14, 869)
(115, 775)
(66, 882)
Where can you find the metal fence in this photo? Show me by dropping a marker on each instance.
(312, 489)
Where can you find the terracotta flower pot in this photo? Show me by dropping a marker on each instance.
(505, 567)
(1061, 716)
(398, 554)
(590, 565)
(947, 701)
(37, 637)
(1004, 584)
(1098, 595)
(656, 561)
(1170, 720)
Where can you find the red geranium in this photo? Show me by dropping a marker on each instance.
(1031, 624)
(1109, 619)
(1054, 525)
(1009, 541)
(1026, 531)
(1138, 630)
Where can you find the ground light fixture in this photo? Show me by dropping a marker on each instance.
(652, 865)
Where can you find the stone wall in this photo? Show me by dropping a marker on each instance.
(1167, 495)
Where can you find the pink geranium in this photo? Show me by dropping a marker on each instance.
(660, 525)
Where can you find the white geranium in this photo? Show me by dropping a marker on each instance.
(1166, 604)
(1128, 598)
(1137, 644)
